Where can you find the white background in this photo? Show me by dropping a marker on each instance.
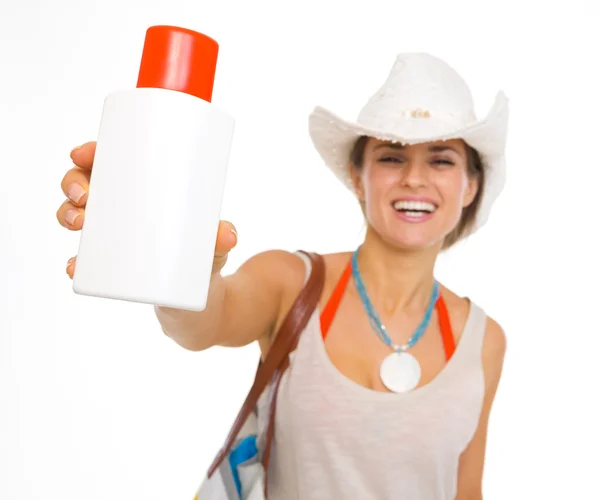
(96, 403)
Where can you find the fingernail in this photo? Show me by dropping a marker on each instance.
(234, 232)
(71, 216)
(75, 149)
(75, 193)
(69, 262)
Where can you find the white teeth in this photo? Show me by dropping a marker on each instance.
(415, 206)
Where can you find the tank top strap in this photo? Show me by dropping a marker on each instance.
(475, 328)
(307, 264)
(338, 292)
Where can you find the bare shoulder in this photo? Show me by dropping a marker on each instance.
(291, 272)
(494, 342)
(273, 268)
(276, 278)
(458, 310)
(255, 293)
(278, 271)
(494, 349)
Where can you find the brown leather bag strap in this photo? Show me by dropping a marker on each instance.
(285, 342)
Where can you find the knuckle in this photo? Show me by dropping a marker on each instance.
(219, 260)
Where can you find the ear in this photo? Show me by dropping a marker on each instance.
(357, 182)
(470, 192)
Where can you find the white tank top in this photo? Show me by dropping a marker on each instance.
(335, 439)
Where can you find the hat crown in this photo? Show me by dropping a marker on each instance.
(420, 88)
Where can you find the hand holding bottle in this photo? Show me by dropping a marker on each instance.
(71, 214)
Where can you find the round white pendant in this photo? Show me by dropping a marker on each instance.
(400, 372)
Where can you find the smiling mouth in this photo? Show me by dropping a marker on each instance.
(414, 208)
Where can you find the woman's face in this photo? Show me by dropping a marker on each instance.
(414, 195)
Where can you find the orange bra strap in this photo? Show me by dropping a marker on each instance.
(445, 327)
(334, 301)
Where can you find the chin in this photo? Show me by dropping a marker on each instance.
(416, 242)
(423, 236)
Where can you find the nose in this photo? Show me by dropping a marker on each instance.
(415, 173)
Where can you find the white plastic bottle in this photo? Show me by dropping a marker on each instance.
(158, 179)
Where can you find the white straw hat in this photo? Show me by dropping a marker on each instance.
(422, 100)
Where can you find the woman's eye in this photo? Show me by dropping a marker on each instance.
(440, 161)
(395, 159)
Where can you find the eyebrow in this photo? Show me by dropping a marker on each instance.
(431, 149)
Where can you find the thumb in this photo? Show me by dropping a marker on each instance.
(226, 240)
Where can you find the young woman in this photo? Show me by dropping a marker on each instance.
(389, 395)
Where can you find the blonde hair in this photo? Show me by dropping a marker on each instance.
(475, 171)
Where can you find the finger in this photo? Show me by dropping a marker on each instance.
(75, 186)
(83, 156)
(71, 266)
(70, 216)
(226, 240)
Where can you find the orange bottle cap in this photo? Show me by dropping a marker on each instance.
(179, 59)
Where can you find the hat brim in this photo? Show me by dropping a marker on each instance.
(333, 138)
